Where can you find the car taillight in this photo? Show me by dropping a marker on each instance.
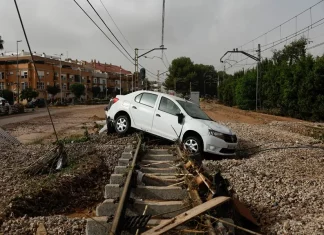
(115, 100)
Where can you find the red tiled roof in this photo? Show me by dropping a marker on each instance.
(110, 68)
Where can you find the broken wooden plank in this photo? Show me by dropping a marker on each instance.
(184, 217)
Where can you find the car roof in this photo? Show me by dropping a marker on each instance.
(164, 94)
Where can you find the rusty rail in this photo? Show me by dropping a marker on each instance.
(122, 205)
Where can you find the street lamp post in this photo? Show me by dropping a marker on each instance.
(120, 82)
(61, 76)
(18, 81)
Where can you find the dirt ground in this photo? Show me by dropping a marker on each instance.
(229, 114)
(69, 121)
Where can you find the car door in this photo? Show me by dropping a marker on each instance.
(142, 110)
(165, 120)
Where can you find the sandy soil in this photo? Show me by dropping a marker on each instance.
(67, 121)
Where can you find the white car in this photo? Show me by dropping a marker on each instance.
(171, 118)
(5, 106)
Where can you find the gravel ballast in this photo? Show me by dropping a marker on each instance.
(284, 188)
(26, 200)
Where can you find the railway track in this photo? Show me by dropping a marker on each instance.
(152, 192)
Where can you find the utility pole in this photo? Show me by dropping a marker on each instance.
(136, 66)
(132, 82)
(120, 87)
(158, 80)
(18, 75)
(138, 56)
(61, 75)
(218, 86)
(257, 80)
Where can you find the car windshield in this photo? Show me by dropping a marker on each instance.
(193, 110)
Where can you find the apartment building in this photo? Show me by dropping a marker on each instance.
(54, 71)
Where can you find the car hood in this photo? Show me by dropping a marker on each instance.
(217, 127)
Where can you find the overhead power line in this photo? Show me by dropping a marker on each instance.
(116, 26)
(103, 32)
(317, 45)
(110, 30)
(294, 35)
(279, 26)
(285, 39)
(111, 40)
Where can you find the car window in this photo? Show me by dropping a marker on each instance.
(193, 110)
(147, 99)
(138, 98)
(168, 106)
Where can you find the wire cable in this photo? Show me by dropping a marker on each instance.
(116, 26)
(293, 35)
(317, 45)
(282, 23)
(110, 30)
(103, 32)
(34, 64)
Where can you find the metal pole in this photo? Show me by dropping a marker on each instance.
(18, 80)
(120, 82)
(158, 79)
(106, 90)
(218, 87)
(136, 67)
(132, 83)
(257, 80)
(61, 76)
(256, 90)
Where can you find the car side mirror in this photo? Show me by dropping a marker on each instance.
(180, 118)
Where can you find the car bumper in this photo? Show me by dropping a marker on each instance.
(218, 146)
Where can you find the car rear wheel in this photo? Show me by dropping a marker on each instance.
(192, 144)
(122, 124)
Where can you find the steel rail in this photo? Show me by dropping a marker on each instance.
(122, 205)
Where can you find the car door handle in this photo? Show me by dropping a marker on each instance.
(134, 107)
(158, 115)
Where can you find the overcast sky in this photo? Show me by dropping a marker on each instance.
(200, 29)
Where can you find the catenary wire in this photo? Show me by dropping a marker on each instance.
(103, 32)
(282, 23)
(109, 29)
(116, 25)
(34, 64)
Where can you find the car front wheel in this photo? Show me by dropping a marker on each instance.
(192, 144)
(122, 124)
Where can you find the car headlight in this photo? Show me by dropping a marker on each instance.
(216, 134)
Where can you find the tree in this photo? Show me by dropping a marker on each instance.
(181, 73)
(95, 91)
(28, 94)
(8, 95)
(77, 89)
(53, 90)
(1, 43)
